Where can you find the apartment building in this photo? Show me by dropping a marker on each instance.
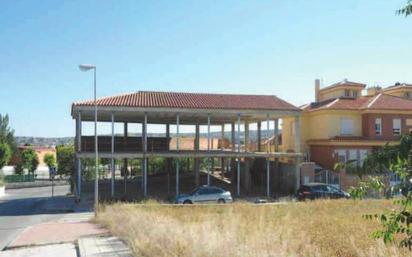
(347, 120)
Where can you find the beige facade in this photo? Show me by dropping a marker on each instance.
(402, 90)
(320, 125)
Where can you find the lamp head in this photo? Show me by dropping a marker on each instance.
(86, 67)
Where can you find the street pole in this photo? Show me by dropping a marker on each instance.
(96, 181)
(87, 67)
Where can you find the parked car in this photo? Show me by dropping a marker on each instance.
(205, 194)
(320, 190)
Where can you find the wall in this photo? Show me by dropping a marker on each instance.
(400, 92)
(368, 121)
(337, 92)
(318, 125)
(324, 155)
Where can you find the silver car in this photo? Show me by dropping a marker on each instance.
(205, 194)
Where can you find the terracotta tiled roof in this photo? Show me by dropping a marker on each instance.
(338, 104)
(378, 102)
(193, 101)
(389, 102)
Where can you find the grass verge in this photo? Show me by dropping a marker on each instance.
(318, 228)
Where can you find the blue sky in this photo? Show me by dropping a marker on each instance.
(269, 47)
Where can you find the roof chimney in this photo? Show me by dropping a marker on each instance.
(317, 89)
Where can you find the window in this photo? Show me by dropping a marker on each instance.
(362, 156)
(407, 95)
(353, 156)
(203, 191)
(341, 155)
(355, 93)
(378, 126)
(396, 129)
(214, 190)
(347, 92)
(333, 189)
(346, 127)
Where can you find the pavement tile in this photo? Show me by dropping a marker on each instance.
(60, 250)
(57, 232)
(108, 246)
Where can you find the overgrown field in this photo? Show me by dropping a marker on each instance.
(318, 228)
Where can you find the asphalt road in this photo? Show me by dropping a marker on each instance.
(21, 208)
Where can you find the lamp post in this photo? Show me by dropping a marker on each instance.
(87, 67)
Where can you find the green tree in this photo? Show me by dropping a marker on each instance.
(406, 10)
(65, 159)
(66, 162)
(397, 222)
(29, 159)
(5, 154)
(50, 160)
(6, 133)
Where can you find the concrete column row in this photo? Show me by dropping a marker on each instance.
(197, 145)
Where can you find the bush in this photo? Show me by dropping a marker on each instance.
(5, 154)
(49, 160)
(65, 159)
(29, 159)
(1, 179)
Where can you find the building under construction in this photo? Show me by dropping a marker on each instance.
(237, 158)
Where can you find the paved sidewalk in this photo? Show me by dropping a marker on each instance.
(103, 246)
(60, 250)
(68, 229)
(52, 233)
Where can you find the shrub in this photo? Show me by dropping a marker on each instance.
(1, 179)
(65, 159)
(50, 160)
(5, 154)
(29, 159)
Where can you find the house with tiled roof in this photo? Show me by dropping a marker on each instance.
(347, 121)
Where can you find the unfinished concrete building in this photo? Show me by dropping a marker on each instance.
(238, 162)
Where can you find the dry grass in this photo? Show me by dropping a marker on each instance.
(319, 228)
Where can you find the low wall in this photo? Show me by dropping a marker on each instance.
(44, 183)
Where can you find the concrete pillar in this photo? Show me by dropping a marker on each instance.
(177, 149)
(79, 146)
(276, 135)
(222, 160)
(246, 132)
(197, 160)
(259, 136)
(238, 159)
(208, 149)
(79, 178)
(267, 163)
(297, 150)
(125, 161)
(144, 128)
(168, 160)
(232, 160)
(112, 159)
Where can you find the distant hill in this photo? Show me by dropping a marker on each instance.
(44, 141)
(53, 141)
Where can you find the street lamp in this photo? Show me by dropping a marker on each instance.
(87, 67)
